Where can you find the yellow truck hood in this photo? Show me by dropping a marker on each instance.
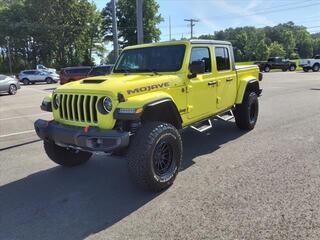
(128, 85)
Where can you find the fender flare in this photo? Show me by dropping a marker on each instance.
(252, 84)
(165, 103)
(152, 102)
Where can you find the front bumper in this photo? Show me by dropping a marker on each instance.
(304, 65)
(87, 139)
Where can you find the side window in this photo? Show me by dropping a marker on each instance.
(2, 77)
(222, 58)
(201, 54)
(83, 70)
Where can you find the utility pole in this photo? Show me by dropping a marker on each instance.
(115, 30)
(192, 21)
(170, 28)
(139, 4)
(9, 54)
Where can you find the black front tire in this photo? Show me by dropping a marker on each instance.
(12, 89)
(305, 69)
(64, 156)
(292, 68)
(315, 68)
(25, 81)
(267, 68)
(246, 113)
(49, 80)
(155, 156)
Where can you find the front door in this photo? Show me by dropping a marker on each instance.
(201, 90)
(226, 78)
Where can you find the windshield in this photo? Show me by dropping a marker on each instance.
(151, 59)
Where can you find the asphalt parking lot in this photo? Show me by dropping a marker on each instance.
(262, 184)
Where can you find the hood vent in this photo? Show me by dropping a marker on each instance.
(92, 81)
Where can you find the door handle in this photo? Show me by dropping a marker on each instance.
(212, 83)
(229, 79)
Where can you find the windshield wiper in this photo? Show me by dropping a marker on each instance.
(125, 71)
(153, 71)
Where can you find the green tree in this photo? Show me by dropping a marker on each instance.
(276, 50)
(55, 33)
(316, 46)
(126, 20)
(262, 50)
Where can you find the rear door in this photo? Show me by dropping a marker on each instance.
(226, 77)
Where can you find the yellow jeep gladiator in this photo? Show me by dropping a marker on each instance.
(153, 93)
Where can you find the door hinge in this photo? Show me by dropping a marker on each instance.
(189, 108)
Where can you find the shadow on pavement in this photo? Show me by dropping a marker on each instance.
(61, 203)
(196, 144)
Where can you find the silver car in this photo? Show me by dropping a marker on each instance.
(33, 76)
(9, 84)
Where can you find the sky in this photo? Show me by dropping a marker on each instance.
(214, 15)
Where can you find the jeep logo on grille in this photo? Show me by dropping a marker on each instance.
(148, 88)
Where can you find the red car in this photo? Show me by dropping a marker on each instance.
(70, 74)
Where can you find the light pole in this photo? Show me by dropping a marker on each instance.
(192, 21)
(115, 30)
(9, 54)
(139, 7)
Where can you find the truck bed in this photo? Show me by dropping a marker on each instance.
(245, 72)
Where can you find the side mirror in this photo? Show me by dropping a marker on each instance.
(196, 67)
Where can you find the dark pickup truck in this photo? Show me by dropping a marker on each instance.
(276, 63)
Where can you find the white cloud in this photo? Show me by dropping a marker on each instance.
(246, 11)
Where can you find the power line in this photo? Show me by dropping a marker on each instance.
(225, 17)
(192, 21)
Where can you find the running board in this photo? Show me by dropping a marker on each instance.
(226, 116)
(202, 127)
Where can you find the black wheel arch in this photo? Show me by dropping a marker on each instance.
(253, 86)
(163, 110)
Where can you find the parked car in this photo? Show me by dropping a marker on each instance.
(43, 68)
(100, 70)
(70, 74)
(9, 84)
(310, 64)
(276, 63)
(33, 76)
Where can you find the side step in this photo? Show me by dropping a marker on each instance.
(202, 126)
(226, 116)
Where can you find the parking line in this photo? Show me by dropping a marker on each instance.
(37, 90)
(24, 116)
(17, 133)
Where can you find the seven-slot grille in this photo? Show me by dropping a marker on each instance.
(79, 108)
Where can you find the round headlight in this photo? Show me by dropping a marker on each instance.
(56, 101)
(107, 104)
